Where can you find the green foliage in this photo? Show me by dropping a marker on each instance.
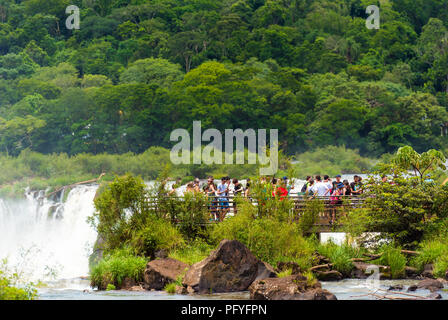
(340, 256)
(392, 257)
(332, 160)
(310, 216)
(11, 287)
(136, 70)
(115, 267)
(110, 287)
(404, 207)
(430, 252)
(192, 252)
(269, 239)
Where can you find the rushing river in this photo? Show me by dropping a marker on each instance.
(50, 241)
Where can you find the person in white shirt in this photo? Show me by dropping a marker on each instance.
(320, 189)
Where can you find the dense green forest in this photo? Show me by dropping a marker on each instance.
(137, 69)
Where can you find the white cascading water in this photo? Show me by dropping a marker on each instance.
(46, 240)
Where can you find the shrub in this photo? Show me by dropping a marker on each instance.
(310, 216)
(393, 258)
(441, 266)
(194, 252)
(115, 267)
(9, 288)
(155, 235)
(430, 251)
(268, 239)
(340, 256)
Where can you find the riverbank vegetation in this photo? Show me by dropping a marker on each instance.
(11, 286)
(408, 214)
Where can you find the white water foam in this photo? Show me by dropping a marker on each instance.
(46, 240)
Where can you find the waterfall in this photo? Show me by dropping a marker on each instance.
(45, 239)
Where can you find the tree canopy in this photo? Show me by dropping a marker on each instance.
(138, 69)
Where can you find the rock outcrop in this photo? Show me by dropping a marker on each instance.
(430, 284)
(229, 268)
(332, 275)
(160, 272)
(294, 287)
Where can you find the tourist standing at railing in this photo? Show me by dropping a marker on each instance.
(305, 186)
(310, 186)
(247, 190)
(210, 191)
(356, 185)
(222, 192)
(320, 189)
(347, 189)
(237, 192)
(328, 181)
(280, 191)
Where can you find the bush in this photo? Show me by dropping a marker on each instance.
(310, 216)
(194, 252)
(441, 266)
(268, 239)
(340, 256)
(9, 289)
(393, 258)
(115, 267)
(155, 235)
(430, 252)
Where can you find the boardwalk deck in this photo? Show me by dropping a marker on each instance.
(342, 206)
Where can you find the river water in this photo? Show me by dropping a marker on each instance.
(50, 242)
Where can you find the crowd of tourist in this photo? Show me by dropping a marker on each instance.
(317, 187)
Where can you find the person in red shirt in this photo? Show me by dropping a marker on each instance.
(280, 191)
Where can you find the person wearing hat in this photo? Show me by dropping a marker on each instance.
(289, 187)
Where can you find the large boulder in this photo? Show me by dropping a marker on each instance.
(294, 287)
(428, 271)
(430, 284)
(160, 272)
(229, 268)
(332, 275)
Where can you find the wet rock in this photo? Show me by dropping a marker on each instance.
(181, 290)
(362, 267)
(294, 287)
(435, 296)
(428, 271)
(265, 270)
(136, 288)
(127, 284)
(430, 284)
(160, 272)
(229, 268)
(412, 288)
(332, 275)
(397, 287)
(411, 272)
(161, 254)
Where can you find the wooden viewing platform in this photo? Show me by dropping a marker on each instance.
(345, 204)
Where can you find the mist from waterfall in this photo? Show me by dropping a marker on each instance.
(47, 240)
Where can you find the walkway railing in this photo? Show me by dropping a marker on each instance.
(335, 204)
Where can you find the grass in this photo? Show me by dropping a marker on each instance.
(392, 257)
(284, 273)
(114, 268)
(430, 252)
(340, 256)
(192, 253)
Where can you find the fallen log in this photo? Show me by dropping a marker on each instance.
(410, 252)
(76, 184)
(322, 266)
